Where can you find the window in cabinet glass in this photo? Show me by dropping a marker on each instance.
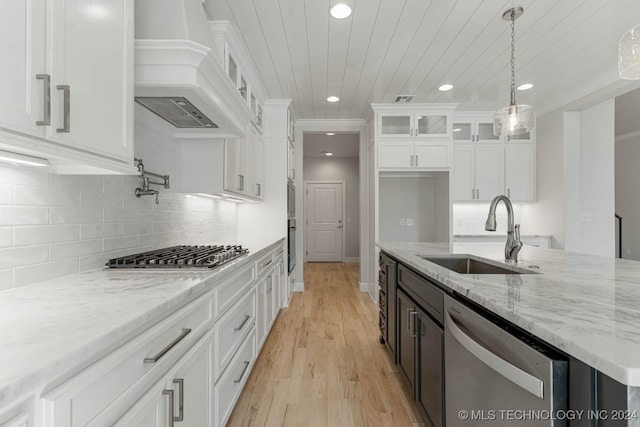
(395, 125)
(233, 71)
(432, 125)
(462, 131)
(485, 132)
(243, 87)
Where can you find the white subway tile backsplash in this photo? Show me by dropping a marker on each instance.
(38, 273)
(23, 215)
(123, 242)
(6, 237)
(75, 249)
(25, 255)
(55, 225)
(6, 279)
(38, 196)
(100, 200)
(93, 231)
(76, 215)
(6, 194)
(37, 234)
(23, 176)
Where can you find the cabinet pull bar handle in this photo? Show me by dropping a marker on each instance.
(409, 319)
(514, 374)
(244, 371)
(154, 359)
(244, 322)
(508, 192)
(473, 193)
(66, 109)
(170, 394)
(258, 190)
(180, 383)
(417, 161)
(477, 194)
(266, 264)
(413, 323)
(46, 78)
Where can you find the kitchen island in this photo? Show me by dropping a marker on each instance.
(587, 307)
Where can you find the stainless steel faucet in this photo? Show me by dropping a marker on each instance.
(513, 245)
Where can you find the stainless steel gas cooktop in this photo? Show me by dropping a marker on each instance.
(210, 256)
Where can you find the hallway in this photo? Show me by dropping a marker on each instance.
(323, 365)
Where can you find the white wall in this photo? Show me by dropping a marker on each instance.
(55, 225)
(341, 169)
(469, 219)
(627, 194)
(546, 216)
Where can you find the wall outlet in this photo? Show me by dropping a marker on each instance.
(409, 222)
(402, 221)
(586, 217)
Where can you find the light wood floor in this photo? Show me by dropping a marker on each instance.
(323, 365)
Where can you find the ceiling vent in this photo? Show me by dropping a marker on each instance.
(404, 98)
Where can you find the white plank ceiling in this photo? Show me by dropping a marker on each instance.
(566, 48)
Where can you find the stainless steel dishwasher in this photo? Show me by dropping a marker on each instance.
(494, 378)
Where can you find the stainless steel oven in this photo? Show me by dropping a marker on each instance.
(291, 200)
(291, 244)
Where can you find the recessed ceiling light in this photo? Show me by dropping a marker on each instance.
(340, 11)
(333, 99)
(525, 86)
(330, 133)
(327, 153)
(445, 87)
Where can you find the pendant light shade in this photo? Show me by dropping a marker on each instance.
(629, 54)
(514, 119)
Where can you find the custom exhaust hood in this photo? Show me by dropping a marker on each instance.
(178, 75)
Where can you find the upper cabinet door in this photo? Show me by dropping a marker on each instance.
(431, 125)
(484, 132)
(463, 131)
(488, 171)
(392, 125)
(92, 64)
(396, 155)
(519, 166)
(463, 173)
(24, 83)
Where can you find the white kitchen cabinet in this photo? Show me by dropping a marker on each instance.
(21, 416)
(244, 165)
(291, 161)
(520, 172)
(187, 388)
(291, 130)
(474, 128)
(477, 172)
(23, 87)
(255, 164)
(414, 124)
(81, 97)
(413, 155)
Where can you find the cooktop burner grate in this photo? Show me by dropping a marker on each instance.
(204, 256)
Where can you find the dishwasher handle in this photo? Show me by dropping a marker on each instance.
(514, 374)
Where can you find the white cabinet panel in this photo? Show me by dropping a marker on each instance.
(92, 56)
(488, 171)
(463, 182)
(395, 154)
(520, 172)
(150, 411)
(431, 155)
(22, 39)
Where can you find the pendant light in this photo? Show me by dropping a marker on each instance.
(629, 54)
(515, 119)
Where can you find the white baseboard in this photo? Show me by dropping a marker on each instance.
(298, 287)
(364, 287)
(352, 259)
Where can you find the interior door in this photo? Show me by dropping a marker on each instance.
(324, 222)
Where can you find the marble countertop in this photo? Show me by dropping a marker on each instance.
(586, 306)
(51, 328)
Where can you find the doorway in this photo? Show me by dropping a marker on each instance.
(324, 207)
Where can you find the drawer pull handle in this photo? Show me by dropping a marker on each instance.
(180, 383)
(244, 322)
(170, 394)
(46, 78)
(266, 264)
(154, 359)
(244, 371)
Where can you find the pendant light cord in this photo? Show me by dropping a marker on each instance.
(513, 60)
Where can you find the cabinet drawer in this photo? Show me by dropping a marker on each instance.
(230, 385)
(429, 296)
(232, 290)
(231, 329)
(264, 263)
(80, 399)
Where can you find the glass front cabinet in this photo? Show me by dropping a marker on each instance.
(421, 122)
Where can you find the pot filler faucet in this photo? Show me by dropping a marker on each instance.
(513, 245)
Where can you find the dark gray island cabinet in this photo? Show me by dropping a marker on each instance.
(466, 366)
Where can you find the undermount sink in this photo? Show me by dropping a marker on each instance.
(467, 265)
